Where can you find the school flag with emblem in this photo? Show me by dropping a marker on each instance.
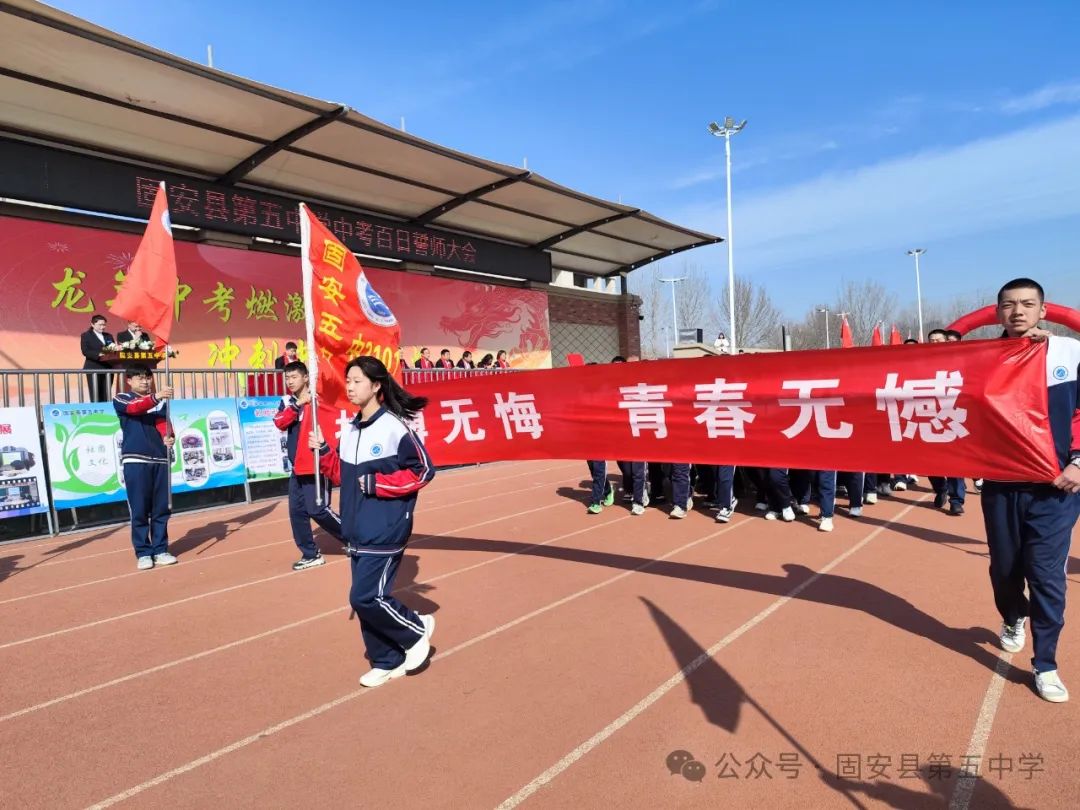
(345, 318)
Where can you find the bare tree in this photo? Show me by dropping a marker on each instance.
(757, 320)
(644, 284)
(694, 299)
(867, 303)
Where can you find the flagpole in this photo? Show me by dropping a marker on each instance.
(168, 426)
(313, 354)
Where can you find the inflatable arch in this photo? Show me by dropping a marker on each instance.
(987, 316)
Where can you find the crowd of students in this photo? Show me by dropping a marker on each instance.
(380, 465)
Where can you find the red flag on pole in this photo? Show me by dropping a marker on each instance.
(846, 340)
(148, 294)
(345, 317)
(875, 338)
(895, 339)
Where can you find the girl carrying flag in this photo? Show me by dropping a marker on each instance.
(380, 466)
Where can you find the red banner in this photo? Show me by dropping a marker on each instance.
(974, 410)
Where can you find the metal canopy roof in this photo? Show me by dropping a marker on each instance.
(66, 81)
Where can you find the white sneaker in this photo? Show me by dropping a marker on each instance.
(165, 559)
(637, 509)
(724, 515)
(678, 512)
(770, 515)
(1050, 687)
(377, 677)
(900, 486)
(855, 511)
(417, 654)
(870, 498)
(788, 514)
(145, 563)
(1013, 636)
(826, 525)
(689, 504)
(804, 508)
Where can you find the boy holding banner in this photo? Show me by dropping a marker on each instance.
(1029, 525)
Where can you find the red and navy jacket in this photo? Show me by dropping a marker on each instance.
(423, 362)
(380, 465)
(295, 420)
(143, 427)
(444, 363)
(1063, 396)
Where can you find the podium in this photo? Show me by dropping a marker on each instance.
(132, 357)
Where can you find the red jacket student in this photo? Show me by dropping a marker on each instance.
(294, 417)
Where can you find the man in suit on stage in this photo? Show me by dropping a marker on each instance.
(92, 342)
(134, 332)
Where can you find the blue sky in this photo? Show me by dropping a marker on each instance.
(873, 127)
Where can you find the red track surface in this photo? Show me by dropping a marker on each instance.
(574, 653)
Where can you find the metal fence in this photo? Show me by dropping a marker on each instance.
(35, 387)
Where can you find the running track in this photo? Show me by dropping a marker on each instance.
(574, 653)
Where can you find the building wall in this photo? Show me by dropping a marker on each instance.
(596, 325)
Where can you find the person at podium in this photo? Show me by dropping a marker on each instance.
(93, 342)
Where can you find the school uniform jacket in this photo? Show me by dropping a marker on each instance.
(1063, 396)
(143, 427)
(380, 465)
(295, 420)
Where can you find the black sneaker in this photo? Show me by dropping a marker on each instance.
(939, 500)
(308, 562)
(956, 509)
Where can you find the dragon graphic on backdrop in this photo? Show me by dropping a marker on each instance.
(498, 310)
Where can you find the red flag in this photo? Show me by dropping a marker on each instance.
(345, 317)
(846, 340)
(875, 339)
(148, 294)
(895, 339)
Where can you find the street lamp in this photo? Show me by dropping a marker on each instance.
(826, 311)
(726, 131)
(674, 312)
(917, 252)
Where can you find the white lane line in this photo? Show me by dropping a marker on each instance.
(217, 556)
(980, 735)
(273, 631)
(326, 707)
(260, 581)
(597, 739)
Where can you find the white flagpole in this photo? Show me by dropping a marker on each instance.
(168, 426)
(309, 322)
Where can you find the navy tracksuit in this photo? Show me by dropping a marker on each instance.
(295, 420)
(1029, 526)
(600, 485)
(724, 486)
(147, 466)
(804, 481)
(954, 488)
(680, 484)
(634, 476)
(381, 466)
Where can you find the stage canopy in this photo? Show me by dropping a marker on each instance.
(68, 83)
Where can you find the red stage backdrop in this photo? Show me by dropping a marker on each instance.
(237, 308)
(977, 410)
